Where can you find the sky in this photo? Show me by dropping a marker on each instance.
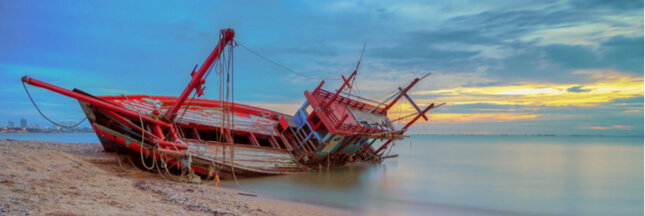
(501, 67)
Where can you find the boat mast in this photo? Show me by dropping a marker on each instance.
(197, 81)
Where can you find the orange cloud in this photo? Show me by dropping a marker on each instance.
(623, 127)
(455, 118)
(633, 111)
(608, 85)
(596, 128)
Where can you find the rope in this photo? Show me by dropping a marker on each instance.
(143, 136)
(118, 158)
(43, 115)
(186, 109)
(230, 115)
(283, 67)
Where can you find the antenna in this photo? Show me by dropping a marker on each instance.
(359, 60)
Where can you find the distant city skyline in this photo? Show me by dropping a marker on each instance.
(25, 123)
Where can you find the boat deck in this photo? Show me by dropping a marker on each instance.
(250, 158)
(205, 112)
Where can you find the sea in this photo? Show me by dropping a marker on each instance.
(467, 175)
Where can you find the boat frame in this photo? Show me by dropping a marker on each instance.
(215, 138)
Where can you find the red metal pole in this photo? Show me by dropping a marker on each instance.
(197, 80)
(401, 94)
(319, 86)
(126, 121)
(414, 104)
(407, 125)
(92, 100)
(346, 82)
(418, 116)
(383, 146)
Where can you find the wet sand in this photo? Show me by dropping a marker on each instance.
(50, 178)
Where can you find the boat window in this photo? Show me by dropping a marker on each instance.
(188, 133)
(309, 110)
(264, 142)
(241, 139)
(280, 143)
(314, 120)
(305, 130)
(279, 128)
(322, 130)
(364, 124)
(211, 135)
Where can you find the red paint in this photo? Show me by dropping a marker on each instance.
(197, 81)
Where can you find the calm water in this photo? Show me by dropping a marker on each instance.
(469, 175)
(54, 137)
(481, 175)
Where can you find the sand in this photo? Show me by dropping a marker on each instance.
(50, 178)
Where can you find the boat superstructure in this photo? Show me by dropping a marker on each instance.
(219, 137)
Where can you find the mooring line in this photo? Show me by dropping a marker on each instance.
(43, 115)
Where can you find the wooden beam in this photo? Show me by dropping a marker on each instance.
(414, 104)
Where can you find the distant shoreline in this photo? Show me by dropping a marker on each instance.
(45, 130)
(529, 135)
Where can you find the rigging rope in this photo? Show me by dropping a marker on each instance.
(43, 115)
(143, 136)
(283, 67)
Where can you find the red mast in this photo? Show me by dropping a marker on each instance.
(197, 81)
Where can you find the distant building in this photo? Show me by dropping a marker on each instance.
(72, 123)
(11, 124)
(23, 123)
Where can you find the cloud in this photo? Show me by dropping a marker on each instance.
(633, 111)
(607, 85)
(578, 89)
(457, 118)
(624, 53)
(420, 51)
(578, 61)
(585, 34)
(596, 128)
(577, 23)
(460, 36)
(601, 4)
(620, 127)
(623, 127)
(576, 57)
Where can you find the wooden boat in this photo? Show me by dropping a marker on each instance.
(222, 138)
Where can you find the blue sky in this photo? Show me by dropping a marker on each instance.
(502, 67)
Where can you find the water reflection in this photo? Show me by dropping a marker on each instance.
(444, 175)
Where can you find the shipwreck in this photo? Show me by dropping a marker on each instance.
(218, 138)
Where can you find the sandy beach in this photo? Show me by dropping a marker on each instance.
(52, 178)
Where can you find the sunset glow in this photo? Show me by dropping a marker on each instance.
(543, 67)
(606, 86)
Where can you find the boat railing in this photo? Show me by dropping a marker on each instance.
(351, 102)
(322, 96)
